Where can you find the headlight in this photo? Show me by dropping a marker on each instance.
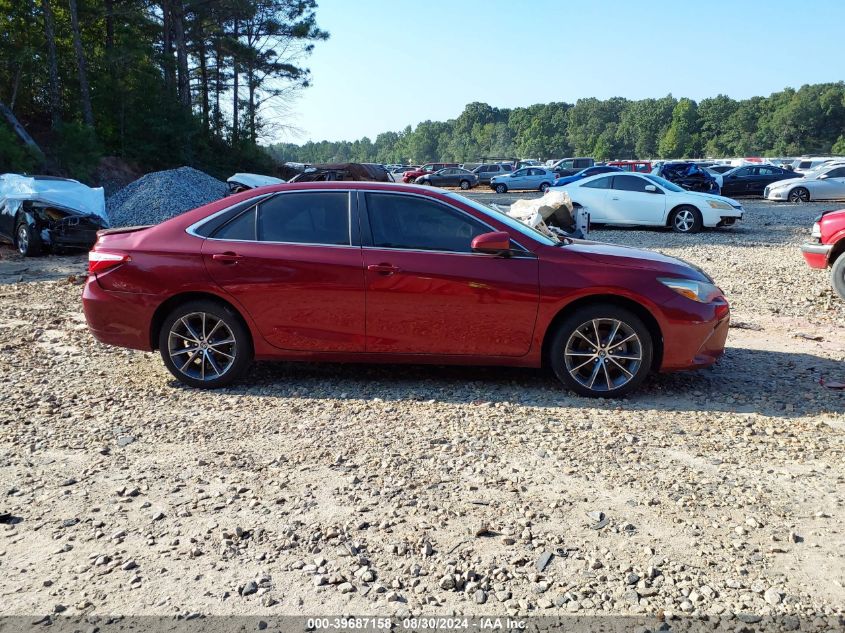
(718, 204)
(817, 231)
(700, 291)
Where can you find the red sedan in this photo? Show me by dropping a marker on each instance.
(372, 272)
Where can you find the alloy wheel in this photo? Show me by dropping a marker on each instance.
(799, 195)
(684, 220)
(23, 239)
(603, 354)
(202, 346)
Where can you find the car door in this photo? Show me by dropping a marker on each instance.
(519, 180)
(832, 187)
(428, 293)
(592, 196)
(735, 183)
(629, 202)
(294, 263)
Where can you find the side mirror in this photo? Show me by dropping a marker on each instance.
(822, 176)
(651, 188)
(494, 242)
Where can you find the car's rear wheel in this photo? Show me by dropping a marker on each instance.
(686, 220)
(544, 187)
(837, 275)
(601, 351)
(799, 195)
(27, 240)
(501, 189)
(465, 185)
(205, 344)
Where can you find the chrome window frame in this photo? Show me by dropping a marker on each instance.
(191, 230)
(525, 251)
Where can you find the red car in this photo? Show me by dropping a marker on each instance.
(428, 168)
(375, 272)
(827, 250)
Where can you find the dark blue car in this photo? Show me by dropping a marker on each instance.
(584, 173)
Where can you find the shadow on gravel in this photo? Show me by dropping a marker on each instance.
(776, 384)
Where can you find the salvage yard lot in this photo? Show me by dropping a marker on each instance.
(330, 488)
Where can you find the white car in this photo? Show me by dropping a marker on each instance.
(649, 200)
(827, 183)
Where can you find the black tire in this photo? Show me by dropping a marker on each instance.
(837, 275)
(465, 185)
(500, 188)
(577, 363)
(27, 241)
(799, 195)
(544, 187)
(686, 219)
(182, 327)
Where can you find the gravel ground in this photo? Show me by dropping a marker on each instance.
(315, 489)
(158, 196)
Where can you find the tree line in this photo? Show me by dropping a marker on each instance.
(157, 82)
(787, 123)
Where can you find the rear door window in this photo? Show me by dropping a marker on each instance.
(305, 218)
(599, 183)
(241, 227)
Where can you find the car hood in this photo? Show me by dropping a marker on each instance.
(628, 257)
(709, 196)
(790, 181)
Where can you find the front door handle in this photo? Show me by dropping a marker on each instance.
(227, 258)
(615, 198)
(383, 269)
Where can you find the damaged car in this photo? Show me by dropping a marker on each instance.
(244, 182)
(690, 176)
(41, 214)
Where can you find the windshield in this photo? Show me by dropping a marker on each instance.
(507, 220)
(671, 186)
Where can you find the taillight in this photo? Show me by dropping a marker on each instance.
(101, 261)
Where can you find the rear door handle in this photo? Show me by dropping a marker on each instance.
(615, 198)
(227, 257)
(383, 269)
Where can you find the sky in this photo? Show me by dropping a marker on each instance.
(389, 64)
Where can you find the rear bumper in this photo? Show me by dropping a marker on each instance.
(816, 255)
(118, 318)
(698, 340)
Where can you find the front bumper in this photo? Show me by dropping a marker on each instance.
(775, 194)
(816, 255)
(695, 334)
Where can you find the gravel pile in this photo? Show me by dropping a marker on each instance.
(329, 489)
(160, 195)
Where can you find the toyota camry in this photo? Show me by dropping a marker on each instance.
(375, 272)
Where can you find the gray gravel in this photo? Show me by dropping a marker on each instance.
(329, 489)
(160, 195)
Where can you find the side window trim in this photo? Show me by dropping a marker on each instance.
(367, 241)
(354, 234)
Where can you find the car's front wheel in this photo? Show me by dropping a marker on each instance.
(601, 351)
(837, 275)
(799, 195)
(27, 240)
(501, 188)
(544, 187)
(204, 344)
(465, 185)
(687, 220)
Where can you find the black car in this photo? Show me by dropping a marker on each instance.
(751, 180)
(449, 177)
(690, 176)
